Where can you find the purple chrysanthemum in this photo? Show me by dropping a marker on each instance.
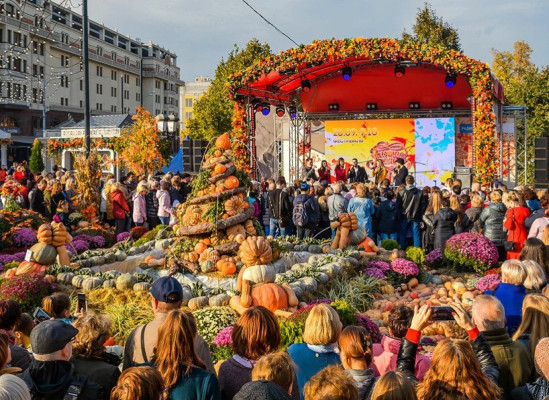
(24, 237)
(381, 265)
(79, 246)
(84, 237)
(98, 241)
(488, 282)
(471, 250)
(374, 273)
(121, 237)
(433, 256)
(370, 326)
(7, 258)
(404, 267)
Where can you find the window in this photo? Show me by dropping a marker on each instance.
(17, 39)
(99, 51)
(34, 95)
(109, 37)
(122, 43)
(98, 106)
(99, 88)
(165, 100)
(34, 70)
(99, 70)
(157, 99)
(42, 72)
(64, 81)
(41, 49)
(113, 75)
(81, 84)
(188, 102)
(81, 104)
(65, 61)
(59, 15)
(188, 115)
(157, 84)
(134, 48)
(95, 31)
(137, 81)
(76, 22)
(126, 94)
(113, 92)
(35, 47)
(137, 97)
(113, 108)
(127, 60)
(126, 79)
(113, 56)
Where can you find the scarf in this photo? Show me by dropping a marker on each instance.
(245, 362)
(327, 348)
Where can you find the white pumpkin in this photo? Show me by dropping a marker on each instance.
(259, 274)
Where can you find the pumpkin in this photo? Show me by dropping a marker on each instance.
(250, 228)
(69, 238)
(235, 205)
(255, 250)
(10, 273)
(354, 221)
(413, 283)
(50, 278)
(270, 296)
(239, 238)
(125, 281)
(234, 231)
(65, 277)
(43, 253)
(64, 258)
(217, 153)
(191, 256)
(226, 267)
(387, 289)
(219, 300)
(344, 219)
(246, 296)
(207, 266)
(209, 255)
(223, 142)
(29, 267)
(192, 216)
(232, 182)
(109, 283)
(259, 274)
(142, 287)
(78, 280)
(59, 234)
(198, 302)
(357, 235)
(92, 283)
(292, 298)
(219, 169)
(45, 234)
(200, 247)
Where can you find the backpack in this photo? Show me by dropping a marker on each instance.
(299, 215)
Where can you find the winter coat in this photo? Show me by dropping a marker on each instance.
(538, 227)
(265, 215)
(428, 234)
(20, 357)
(139, 208)
(537, 390)
(50, 380)
(103, 201)
(357, 174)
(255, 204)
(276, 209)
(411, 203)
(491, 219)
(400, 177)
(513, 358)
(511, 297)
(388, 216)
(516, 231)
(164, 204)
(385, 358)
(336, 204)
(311, 209)
(308, 173)
(119, 205)
(473, 214)
(176, 195)
(324, 175)
(529, 221)
(36, 201)
(198, 385)
(363, 208)
(444, 224)
(340, 174)
(365, 381)
(151, 204)
(103, 372)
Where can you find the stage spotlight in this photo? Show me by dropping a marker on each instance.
(306, 85)
(292, 110)
(256, 104)
(446, 105)
(450, 80)
(414, 105)
(280, 111)
(347, 72)
(266, 109)
(371, 106)
(399, 71)
(333, 107)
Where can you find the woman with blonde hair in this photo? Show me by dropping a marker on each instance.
(318, 350)
(183, 372)
(535, 277)
(138, 383)
(363, 208)
(473, 212)
(394, 385)
(275, 367)
(139, 204)
(331, 383)
(57, 195)
(535, 321)
(545, 235)
(462, 224)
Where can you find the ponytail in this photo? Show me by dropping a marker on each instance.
(56, 304)
(356, 343)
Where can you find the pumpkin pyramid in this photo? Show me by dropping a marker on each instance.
(217, 213)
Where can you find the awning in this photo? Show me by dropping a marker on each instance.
(23, 139)
(4, 135)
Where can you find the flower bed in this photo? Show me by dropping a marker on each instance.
(471, 252)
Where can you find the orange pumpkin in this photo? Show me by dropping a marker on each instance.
(226, 267)
(30, 267)
(270, 296)
(255, 250)
(207, 241)
(218, 153)
(223, 142)
(219, 169)
(232, 182)
(200, 248)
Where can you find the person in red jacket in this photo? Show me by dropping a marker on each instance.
(514, 223)
(341, 171)
(120, 208)
(324, 172)
(19, 174)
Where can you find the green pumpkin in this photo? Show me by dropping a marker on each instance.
(92, 283)
(44, 254)
(78, 280)
(125, 281)
(222, 299)
(65, 278)
(357, 236)
(109, 283)
(141, 287)
(84, 271)
(198, 302)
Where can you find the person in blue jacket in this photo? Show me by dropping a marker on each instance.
(363, 208)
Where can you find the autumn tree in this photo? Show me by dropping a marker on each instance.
(431, 29)
(213, 112)
(36, 163)
(138, 147)
(525, 84)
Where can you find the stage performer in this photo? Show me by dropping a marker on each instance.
(357, 173)
(400, 173)
(308, 171)
(379, 172)
(340, 171)
(324, 172)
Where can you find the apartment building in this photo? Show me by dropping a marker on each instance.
(41, 66)
(189, 94)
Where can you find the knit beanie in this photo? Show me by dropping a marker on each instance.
(261, 390)
(541, 357)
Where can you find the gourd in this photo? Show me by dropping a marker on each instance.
(109, 283)
(59, 234)
(259, 274)
(200, 247)
(207, 266)
(413, 283)
(223, 142)
(270, 296)
(235, 205)
(232, 182)
(234, 231)
(50, 278)
(198, 302)
(344, 229)
(226, 267)
(65, 277)
(191, 256)
(29, 267)
(83, 224)
(44, 254)
(92, 283)
(69, 238)
(78, 280)
(64, 258)
(45, 234)
(239, 238)
(219, 169)
(222, 299)
(357, 235)
(142, 287)
(209, 255)
(292, 298)
(246, 296)
(250, 228)
(354, 221)
(236, 304)
(255, 250)
(125, 281)
(387, 289)
(192, 216)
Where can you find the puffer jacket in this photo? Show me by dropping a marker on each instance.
(388, 216)
(491, 219)
(265, 215)
(532, 217)
(139, 208)
(444, 225)
(151, 202)
(411, 203)
(428, 234)
(473, 214)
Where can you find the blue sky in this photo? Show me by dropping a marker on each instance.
(201, 32)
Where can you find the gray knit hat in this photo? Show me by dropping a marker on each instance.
(261, 390)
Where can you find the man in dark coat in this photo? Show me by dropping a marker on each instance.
(400, 173)
(36, 198)
(411, 203)
(356, 173)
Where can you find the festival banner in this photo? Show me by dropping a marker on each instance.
(464, 142)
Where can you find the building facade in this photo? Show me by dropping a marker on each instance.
(189, 94)
(41, 69)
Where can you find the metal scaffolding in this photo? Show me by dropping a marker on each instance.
(521, 135)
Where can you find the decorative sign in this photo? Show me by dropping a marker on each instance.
(28, 255)
(94, 132)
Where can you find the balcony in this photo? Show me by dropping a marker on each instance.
(67, 48)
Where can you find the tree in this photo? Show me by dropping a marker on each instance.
(138, 147)
(213, 112)
(36, 163)
(527, 85)
(431, 29)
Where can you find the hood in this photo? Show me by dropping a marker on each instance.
(390, 344)
(448, 214)
(49, 379)
(496, 337)
(389, 205)
(301, 198)
(500, 207)
(160, 192)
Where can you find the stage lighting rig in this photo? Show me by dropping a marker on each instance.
(257, 105)
(446, 105)
(347, 72)
(450, 80)
(280, 110)
(414, 105)
(400, 70)
(333, 107)
(292, 110)
(306, 85)
(266, 109)
(371, 106)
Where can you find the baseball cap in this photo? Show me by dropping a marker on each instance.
(304, 186)
(261, 390)
(51, 336)
(167, 290)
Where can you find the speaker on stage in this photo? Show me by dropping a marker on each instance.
(541, 162)
(465, 174)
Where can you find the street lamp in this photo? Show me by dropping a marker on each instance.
(161, 123)
(172, 123)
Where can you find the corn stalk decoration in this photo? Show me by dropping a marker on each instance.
(88, 180)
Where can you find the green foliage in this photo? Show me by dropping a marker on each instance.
(219, 353)
(213, 112)
(346, 312)
(75, 218)
(10, 265)
(390, 244)
(431, 30)
(291, 332)
(211, 320)
(36, 163)
(358, 291)
(415, 254)
(201, 182)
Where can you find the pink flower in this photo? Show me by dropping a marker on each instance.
(404, 267)
(488, 282)
(224, 337)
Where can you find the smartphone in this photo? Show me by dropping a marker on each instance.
(442, 313)
(81, 304)
(40, 315)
